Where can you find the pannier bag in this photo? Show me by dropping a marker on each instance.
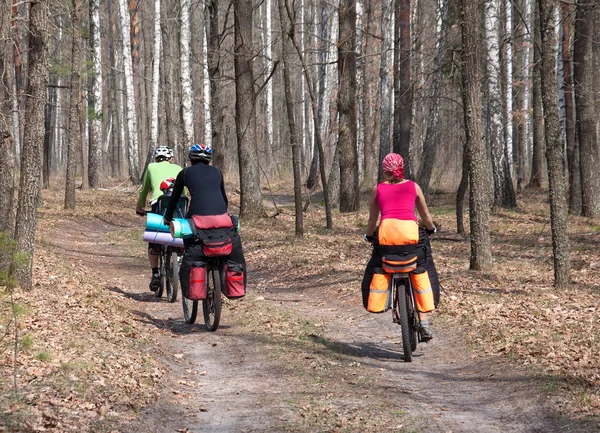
(393, 231)
(197, 289)
(406, 263)
(423, 293)
(217, 248)
(235, 286)
(379, 292)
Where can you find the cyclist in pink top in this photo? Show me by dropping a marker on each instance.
(395, 198)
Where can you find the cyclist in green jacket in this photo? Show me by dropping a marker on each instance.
(157, 171)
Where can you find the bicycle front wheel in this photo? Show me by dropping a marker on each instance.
(172, 275)
(211, 306)
(401, 301)
(162, 269)
(190, 309)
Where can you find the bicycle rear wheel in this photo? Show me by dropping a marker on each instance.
(163, 272)
(172, 275)
(211, 306)
(190, 309)
(401, 305)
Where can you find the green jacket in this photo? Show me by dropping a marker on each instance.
(155, 174)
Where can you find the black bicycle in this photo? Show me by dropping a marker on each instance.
(211, 305)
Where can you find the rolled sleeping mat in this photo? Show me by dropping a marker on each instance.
(162, 239)
(180, 228)
(154, 223)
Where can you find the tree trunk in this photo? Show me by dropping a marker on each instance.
(48, 116)
(95, 98)
(155, 78)
(74, 104)
(481, 252)
(384, 88)
(18, 76)
(289, 103)
(583, 75)
(186, 76)
(347, 133)
(554, 145)
(519, 115)
(402, 83)
(538, 168)
(214, 73)
(33, 139)
(130, 110)
(461, 192)
(245, 122)
(7, 175)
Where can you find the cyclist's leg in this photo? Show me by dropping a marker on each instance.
(153, 254)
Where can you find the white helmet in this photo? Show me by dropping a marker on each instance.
(163, 151)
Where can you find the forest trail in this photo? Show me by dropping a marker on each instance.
(287, 359)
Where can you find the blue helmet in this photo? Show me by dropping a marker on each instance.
(200, 153)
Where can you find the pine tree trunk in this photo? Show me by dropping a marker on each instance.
(95, 98)
(245, 122)
(538, 168)
(481, 252)
(75, 102)
(402, 84)
(130, 109)
(33, 139)
(347, 132)
(583, 75)
(186, 76)
(554, 145)
(289, 103)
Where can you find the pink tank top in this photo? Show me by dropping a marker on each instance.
(397, 200)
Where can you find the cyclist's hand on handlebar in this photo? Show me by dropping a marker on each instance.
(140, 211)
(432, 231)
(368, 238)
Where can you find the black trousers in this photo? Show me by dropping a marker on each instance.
(423, 248)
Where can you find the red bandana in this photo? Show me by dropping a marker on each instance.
(393, 163)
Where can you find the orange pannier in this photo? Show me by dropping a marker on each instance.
(398, 232)
(394, 264)
(379, 292)
(423, 293)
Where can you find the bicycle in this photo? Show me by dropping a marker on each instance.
(211, 305)
(403, 303)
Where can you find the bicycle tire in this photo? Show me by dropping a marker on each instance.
(162, 269)
(190, 310)
(172, 275)
(405, 327)
(211, 306)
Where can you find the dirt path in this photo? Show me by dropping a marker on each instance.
(234, 380)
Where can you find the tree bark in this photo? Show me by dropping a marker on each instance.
(33, 139)
(538, 168)
(245, 98)
(583, 75)
(402, 83)
(384, 88)
(95, 98)
(347, 132)
(519, 115)
(75, 102)
(481, 252)
(214, 73)
(554, 145)
(186, 76)
(289, 103)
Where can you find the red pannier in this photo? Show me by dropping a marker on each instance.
(197, 286)
(235, 285)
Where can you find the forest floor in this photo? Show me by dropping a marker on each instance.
(99, 353)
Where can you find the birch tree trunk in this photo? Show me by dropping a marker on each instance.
(481, 252)
(289, 103)
(130, 113)
(245, 98)
(347, 133)
(384, 87)
(155, 78)
(186, 76)
(519, 138)
(73, 134)
(95, 98)
(583, 75)
(33, 139)
(269, 56)
(554, 144)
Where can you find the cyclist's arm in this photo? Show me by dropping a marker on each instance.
(373, 212)
(177, 190)
(422, 209)
(144, 192)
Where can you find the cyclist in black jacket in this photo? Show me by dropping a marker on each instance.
(208, 203)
